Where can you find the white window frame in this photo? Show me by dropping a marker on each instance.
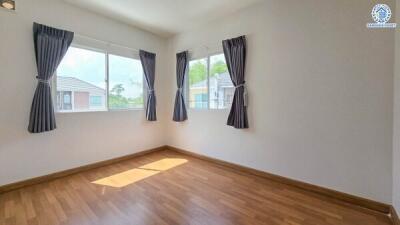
(106, 50)
(187, 83)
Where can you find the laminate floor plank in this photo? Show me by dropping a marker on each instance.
(170, 188)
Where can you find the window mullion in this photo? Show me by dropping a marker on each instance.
(208, 82)
(186, 81)
(107, 79)
(145, 89)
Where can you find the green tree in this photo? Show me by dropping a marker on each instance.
(117, 101)
(137, 100)
(117, 89)
(197, 72)
(218, 67)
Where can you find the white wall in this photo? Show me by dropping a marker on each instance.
(320, 89)
(81, 138)
(396, 122)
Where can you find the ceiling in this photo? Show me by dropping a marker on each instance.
(164, 17)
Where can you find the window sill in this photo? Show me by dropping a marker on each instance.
(200, 110)
(99, 111)
(123, 110)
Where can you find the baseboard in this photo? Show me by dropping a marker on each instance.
(335, 195)
(394, 216)
(49, 177)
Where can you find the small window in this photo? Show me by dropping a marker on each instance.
(210, 85)
(64, 100)
(96, 101)
(125, 83)
(67, 97)
(200, 101)
(81, 74)
(198, 84)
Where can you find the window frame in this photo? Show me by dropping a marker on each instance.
(207, 56)
(106, 51)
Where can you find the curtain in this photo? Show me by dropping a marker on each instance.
(149, 66)
(180, 113)
(50, 47)
(235, 56)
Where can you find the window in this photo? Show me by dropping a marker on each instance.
(67, 97)
(81, 74)
(126, 83)
(96, 101)
(200, 101)
(64, 100)
(210, 85)
(83, 82)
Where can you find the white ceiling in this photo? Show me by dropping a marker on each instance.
(164, 17)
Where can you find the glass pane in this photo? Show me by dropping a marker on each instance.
(126, 83)
(221, 86)
(81, 77)
(95, 100)
(198, 84)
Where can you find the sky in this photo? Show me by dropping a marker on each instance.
(90, 66)
(216, 58)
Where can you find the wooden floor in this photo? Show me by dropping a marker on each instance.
(170, 188)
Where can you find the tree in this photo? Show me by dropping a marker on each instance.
(137, 100)
(218, 67)
(197, 72)
(117, 101)
(117, 89)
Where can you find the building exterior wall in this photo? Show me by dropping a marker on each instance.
(81, 100)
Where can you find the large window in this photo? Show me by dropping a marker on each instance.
(84, 75)
(210, 85)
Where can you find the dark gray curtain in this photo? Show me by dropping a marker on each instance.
(149, 67)
(180, 113)
(50, 47)
(235, 55)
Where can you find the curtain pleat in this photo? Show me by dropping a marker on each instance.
(148, 61)
(235, 56)
(180, 113)
(51, 44)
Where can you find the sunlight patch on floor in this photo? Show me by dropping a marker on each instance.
(131, 176)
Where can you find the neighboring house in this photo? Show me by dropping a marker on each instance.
(77, 95)
(221, 92)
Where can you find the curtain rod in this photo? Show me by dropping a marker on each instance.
(207, 46)
(105, 42)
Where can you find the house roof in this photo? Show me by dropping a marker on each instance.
(223, 80)
(75, 84)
